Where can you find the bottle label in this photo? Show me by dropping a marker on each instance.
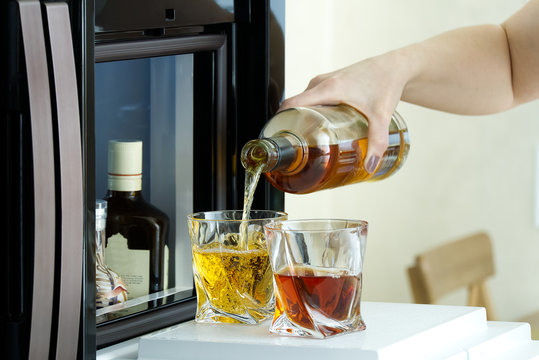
(133, 266)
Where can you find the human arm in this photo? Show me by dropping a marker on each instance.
(473, 70)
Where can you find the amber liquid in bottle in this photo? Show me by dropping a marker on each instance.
(309, 292)
(330, 166)
(144, 226)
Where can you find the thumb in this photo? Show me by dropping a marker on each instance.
(378, 141)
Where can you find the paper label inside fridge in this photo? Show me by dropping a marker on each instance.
(132, 265)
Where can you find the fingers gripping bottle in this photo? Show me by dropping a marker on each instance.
(306, 149)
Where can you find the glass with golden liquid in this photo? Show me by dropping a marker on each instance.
(233, 277)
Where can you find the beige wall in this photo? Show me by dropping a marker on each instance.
(463, 174)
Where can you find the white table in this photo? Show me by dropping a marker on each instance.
(394, 331)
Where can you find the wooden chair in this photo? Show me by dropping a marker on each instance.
(467, 262)
(533, 320)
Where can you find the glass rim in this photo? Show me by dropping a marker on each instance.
(196, 216)
(273, 225)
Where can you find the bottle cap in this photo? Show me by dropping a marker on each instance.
(100, 208)
(125, 165)
(100, 214)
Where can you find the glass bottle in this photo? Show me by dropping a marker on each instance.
(110, 288)
(306, 149)
(136, 230)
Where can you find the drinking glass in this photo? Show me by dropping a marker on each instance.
(317, 268)
(233, 278)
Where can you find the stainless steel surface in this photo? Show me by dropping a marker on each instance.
(43, 166)
(69, 138)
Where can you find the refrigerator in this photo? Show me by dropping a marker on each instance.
(194, 80)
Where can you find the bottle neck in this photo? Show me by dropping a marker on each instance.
(124, 182)
(283, 152)
(130, 195)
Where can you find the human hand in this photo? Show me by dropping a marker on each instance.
(372, 86)
(473, 70)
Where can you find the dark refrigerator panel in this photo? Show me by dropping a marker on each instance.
(18, 261)
(43, 264)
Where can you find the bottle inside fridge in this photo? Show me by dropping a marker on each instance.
(136, 231)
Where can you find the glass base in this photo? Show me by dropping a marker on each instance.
(282, 325)
(209, 315)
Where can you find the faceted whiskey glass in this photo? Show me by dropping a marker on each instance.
(317, 267)
(233, 277)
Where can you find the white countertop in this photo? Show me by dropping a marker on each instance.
(394, 331)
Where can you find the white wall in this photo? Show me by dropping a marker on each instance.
(463, 174)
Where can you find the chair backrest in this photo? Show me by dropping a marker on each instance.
(466, 262)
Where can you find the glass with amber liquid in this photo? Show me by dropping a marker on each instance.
(317, 267)
(233, 277)
(306, 149)
(333, 293)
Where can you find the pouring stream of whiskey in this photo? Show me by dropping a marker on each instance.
(252, 175)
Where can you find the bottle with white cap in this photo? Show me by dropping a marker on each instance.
(136, 231)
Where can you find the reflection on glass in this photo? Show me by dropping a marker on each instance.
(152, 100)
(227, 5)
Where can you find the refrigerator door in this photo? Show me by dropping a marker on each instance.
(43, 261)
